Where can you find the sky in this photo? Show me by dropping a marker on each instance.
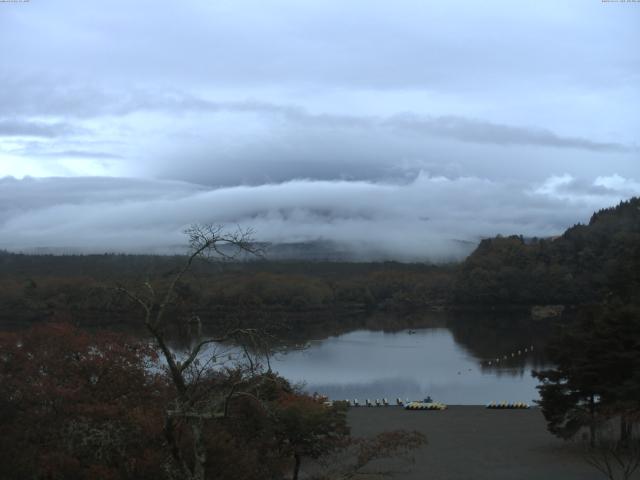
(398, 129)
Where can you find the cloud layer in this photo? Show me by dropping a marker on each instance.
(428, 218)
(396, 128)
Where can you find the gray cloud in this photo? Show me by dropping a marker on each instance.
(409, 122)
(423, 219)
(175, 135)
(82, 154)
(402, 44)
(224, 156)
(479, 131)
(89, 103)
(26, 128)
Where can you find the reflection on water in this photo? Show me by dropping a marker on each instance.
(411, 364)
(442, 354)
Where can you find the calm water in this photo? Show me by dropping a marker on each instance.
(413, 364)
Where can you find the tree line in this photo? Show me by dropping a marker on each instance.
(80, 289)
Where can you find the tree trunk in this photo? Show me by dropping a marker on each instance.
(169, 433)
(592, 423)
(199, 450)
(625, 432)
(296, 467)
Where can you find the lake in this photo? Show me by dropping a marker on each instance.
(415, 363)
(458, 358)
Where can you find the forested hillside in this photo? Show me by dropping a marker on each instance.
(587, 264)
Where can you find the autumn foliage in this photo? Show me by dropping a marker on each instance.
(75, 405)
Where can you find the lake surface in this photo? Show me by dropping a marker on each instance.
(413, 364)
(459, 358)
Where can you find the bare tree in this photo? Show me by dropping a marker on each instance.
(195, 400)
(387, 454)
(616, 452)
(613, 460)
(207, 376)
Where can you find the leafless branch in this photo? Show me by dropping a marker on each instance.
(194, 402)
(612, 459)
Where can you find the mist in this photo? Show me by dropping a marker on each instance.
(431, 218)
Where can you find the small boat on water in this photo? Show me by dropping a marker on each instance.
(425, 406)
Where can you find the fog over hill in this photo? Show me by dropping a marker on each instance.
(427, 218)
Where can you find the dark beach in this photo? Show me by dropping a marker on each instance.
(472, 442)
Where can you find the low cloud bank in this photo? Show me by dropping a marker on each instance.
(428, 218)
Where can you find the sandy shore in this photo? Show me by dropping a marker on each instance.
(471, 442)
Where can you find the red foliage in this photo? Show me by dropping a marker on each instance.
(307, 427)
(77, 405)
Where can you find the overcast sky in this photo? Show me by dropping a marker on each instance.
(398, 127)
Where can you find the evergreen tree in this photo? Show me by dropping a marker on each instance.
(597, 372)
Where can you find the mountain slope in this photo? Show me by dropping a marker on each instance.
(588, 263)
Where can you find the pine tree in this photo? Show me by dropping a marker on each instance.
(597, 372)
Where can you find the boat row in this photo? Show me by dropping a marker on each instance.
(425, 406)
(505, 405)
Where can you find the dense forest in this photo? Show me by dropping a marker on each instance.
(82, 288)
(587, 264)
